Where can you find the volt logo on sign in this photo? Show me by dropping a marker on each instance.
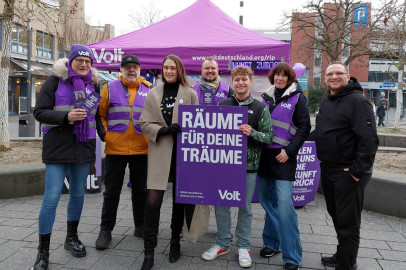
(361, 15)
(229, 195)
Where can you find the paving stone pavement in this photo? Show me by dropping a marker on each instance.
(383, 243)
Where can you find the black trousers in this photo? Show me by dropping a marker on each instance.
(344, 199)
(380, 122)
(113, 182)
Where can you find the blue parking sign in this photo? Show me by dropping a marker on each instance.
(361, 15)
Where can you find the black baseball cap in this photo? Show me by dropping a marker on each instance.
(130, 58)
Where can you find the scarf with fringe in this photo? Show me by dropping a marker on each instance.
(80, 128)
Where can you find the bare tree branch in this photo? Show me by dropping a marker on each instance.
(334, 24)
(145, 16)
(392, 41)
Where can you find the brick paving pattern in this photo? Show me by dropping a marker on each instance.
(383, 243)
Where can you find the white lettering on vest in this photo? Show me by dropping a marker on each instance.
(286, 105)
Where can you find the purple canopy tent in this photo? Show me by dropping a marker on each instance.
(199, 31)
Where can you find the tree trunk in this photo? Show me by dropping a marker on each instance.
(401, 69)
(399, 99)
(4, 72)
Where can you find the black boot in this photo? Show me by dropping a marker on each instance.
(41, 263)
(148, 261)
(72, 242)
(174, 251)
(151, 226)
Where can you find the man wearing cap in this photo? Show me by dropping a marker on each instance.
(120, 108)
(210, 90)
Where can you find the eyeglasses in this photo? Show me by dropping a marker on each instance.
(81, 61)
(131, 67)
(338, 73)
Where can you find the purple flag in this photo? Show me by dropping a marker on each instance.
(211, 155)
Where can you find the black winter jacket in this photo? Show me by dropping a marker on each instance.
(59, 143)
(345, 130)
(269, 167)
(380, 111)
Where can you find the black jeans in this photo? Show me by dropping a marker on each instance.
(344, 199)
(380, 122)
(113, 182)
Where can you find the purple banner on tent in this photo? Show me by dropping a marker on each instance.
(212, 155)
(307, 175)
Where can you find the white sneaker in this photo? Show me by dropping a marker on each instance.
(214, 252)
(244, 257)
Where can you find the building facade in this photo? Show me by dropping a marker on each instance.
(50, 28)
(304, 51)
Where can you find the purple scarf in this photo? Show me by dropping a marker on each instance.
(80, 128)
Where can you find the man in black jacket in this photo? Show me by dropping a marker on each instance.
(346, 143)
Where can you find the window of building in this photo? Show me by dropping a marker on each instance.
(19, 39)
(378, 76)
(44, 45)
(317, 60)
(316, 83)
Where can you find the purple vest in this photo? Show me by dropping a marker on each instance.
(282, 123)
(118, 116)
(65, 100)
(221, 93)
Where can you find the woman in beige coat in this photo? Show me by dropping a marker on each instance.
(159, 123)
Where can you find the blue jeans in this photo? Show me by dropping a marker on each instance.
(243, 229)
(54, 181)
(281, 230)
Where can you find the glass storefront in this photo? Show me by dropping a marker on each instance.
(17, 87)
(17, 92)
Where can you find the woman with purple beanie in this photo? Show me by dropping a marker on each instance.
(68, 145)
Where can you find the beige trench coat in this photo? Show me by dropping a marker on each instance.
(151, 120)
(160, 154)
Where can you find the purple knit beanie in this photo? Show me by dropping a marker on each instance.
(80, 50)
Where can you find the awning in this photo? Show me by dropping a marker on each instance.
(106, 76)
(37, 68)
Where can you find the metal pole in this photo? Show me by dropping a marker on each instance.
(241, 12)
(29, 90)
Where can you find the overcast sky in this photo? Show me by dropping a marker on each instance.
(258, 14)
